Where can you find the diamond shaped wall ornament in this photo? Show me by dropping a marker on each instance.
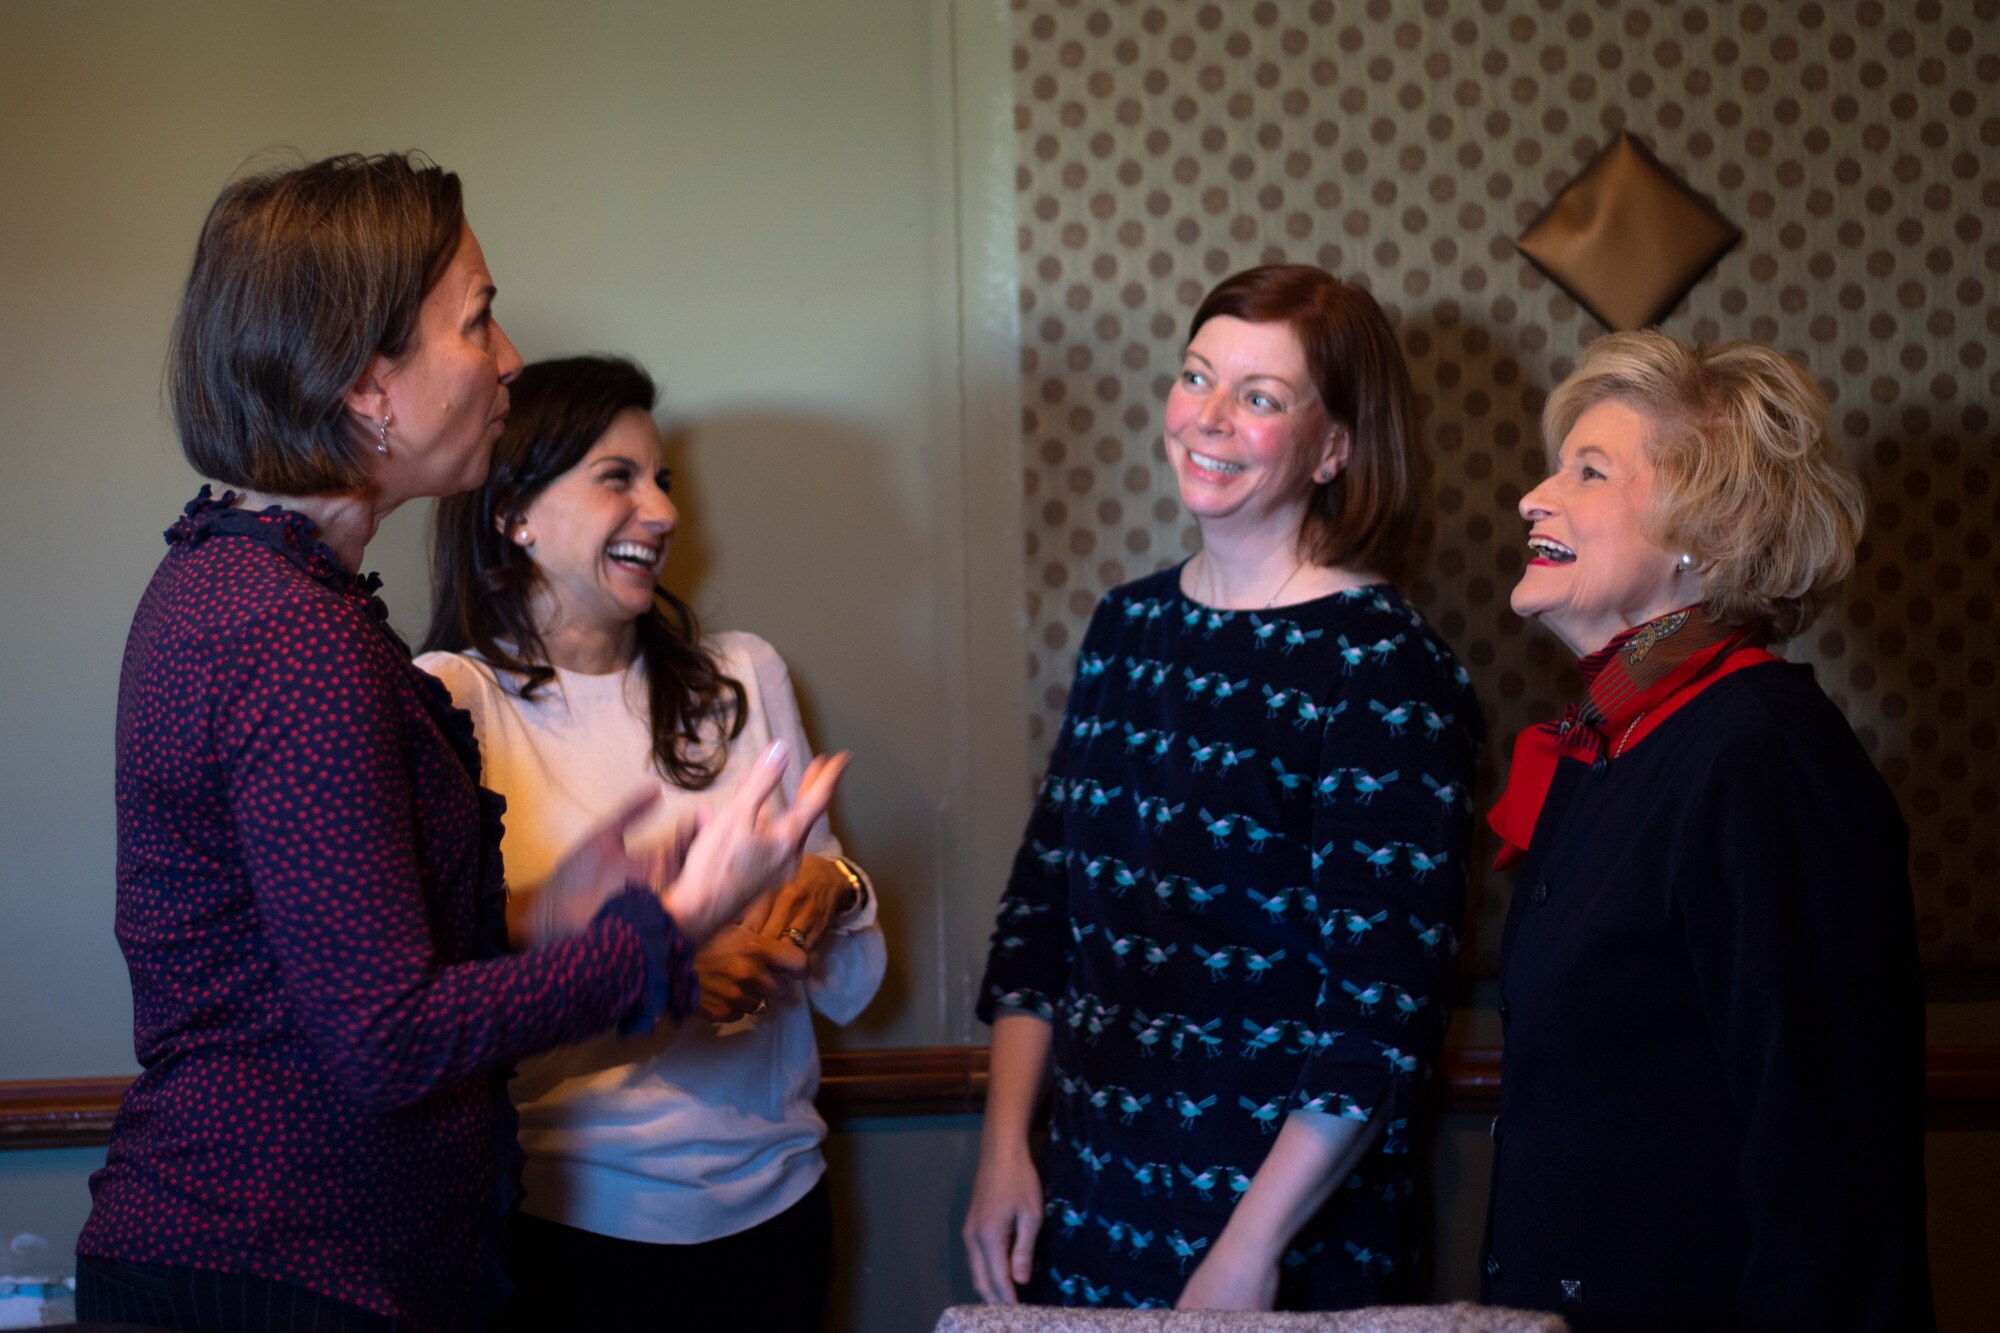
(1627, 238)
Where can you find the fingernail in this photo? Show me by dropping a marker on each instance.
(779, 752)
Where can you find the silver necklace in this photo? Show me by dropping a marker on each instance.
(1282, 586)
(1215, 591)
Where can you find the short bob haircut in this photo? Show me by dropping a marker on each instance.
(1746, 478)
(1363, 518)
(482, 583)
(299, 277)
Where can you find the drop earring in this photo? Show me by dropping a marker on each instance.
(382, 438)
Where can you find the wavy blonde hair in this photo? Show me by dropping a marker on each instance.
(1746, 477)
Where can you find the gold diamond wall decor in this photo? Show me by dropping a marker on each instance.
(1627, 237)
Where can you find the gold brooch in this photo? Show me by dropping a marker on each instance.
(1644, 641)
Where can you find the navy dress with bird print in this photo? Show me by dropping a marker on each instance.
(1238, 896)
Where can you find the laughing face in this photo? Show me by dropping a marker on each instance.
(601, 531)
(1245, 431)
(1594, 568)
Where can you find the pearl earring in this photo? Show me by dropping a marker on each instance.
(382, 440)
(524, 536)
(1684, 564)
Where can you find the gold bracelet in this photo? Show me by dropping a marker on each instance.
(854, 882)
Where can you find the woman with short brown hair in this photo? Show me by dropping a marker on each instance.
(310, 898)
(1228, 934)
(1362, 513)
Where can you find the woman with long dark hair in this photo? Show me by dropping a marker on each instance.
(690, 1162)
(309, 875)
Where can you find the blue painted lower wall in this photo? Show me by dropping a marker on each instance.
(901, 1185)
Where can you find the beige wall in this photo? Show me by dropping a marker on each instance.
(764, 202)
(797, 215)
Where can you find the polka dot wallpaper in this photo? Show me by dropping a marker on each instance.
(1403, 144)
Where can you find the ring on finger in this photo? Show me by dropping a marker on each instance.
(795, 935)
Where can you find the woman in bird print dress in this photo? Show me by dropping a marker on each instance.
(1227, 939)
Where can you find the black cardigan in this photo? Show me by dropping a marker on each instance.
(1712, 1095)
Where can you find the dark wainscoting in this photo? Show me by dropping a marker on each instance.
(928, 1080)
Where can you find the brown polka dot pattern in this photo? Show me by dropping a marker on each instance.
(1403, 145)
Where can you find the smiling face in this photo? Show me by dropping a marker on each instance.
(1245, 432)
(601, 531)
(447, 398)
(1594, 569)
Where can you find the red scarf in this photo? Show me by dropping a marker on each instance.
(1631, 685)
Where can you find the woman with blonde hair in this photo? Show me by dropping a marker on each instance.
(1712, 1097)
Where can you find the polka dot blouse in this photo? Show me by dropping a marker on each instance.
(311, 904)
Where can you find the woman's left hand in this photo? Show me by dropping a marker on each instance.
(1313, 1153)
(1226, 1281)
(742, 972)
(805, 904)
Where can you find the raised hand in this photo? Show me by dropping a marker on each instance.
(595, 869)
(742, 850)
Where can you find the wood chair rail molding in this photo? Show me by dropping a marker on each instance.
(925, 1080)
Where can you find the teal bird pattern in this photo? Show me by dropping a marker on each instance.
(1288, 794)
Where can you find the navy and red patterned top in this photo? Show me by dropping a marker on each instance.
(311, 904)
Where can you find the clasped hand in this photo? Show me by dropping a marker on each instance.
(755, 960)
